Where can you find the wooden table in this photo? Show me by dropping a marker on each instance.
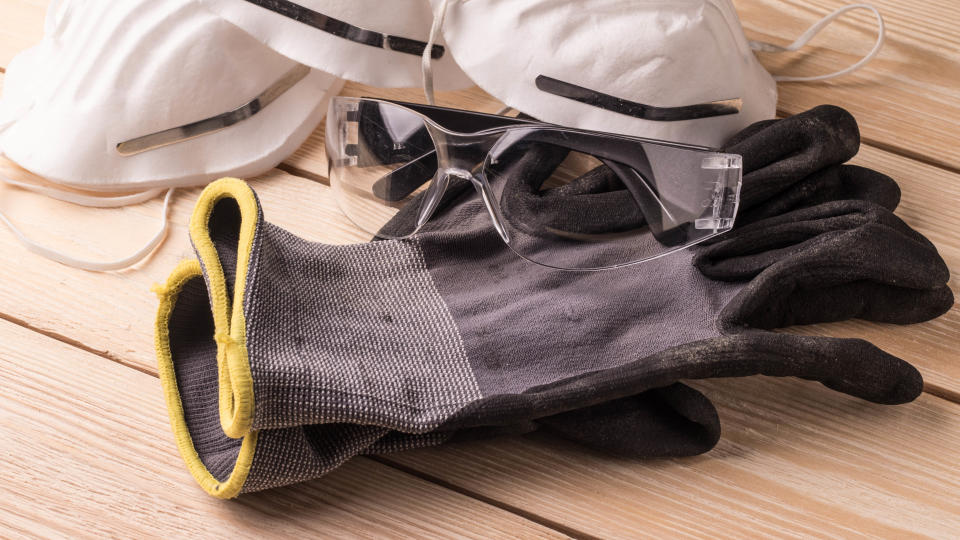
(86, 449)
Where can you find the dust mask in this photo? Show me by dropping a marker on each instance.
(662, 69)
(142, 96)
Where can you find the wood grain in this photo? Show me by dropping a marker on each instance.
(907, 99)
(87, 452)
(795, 460)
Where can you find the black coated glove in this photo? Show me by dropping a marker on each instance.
(326, 352)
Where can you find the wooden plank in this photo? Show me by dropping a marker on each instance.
(87, 452)
(907, 99)
(796, 459)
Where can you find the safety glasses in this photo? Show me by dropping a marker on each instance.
(560, 197)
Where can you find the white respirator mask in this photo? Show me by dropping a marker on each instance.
(665, 69)
(141, 96)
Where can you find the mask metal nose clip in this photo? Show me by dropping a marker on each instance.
(215, 123)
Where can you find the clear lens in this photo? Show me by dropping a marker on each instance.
(381, 158)
(559, 197)
(581, 200)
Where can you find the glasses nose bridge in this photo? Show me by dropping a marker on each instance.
(461, 151)
(462, 156)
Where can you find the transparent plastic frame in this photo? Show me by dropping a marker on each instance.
(560, 197)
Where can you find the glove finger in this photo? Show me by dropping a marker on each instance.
(851, 366)
(873, 272)
(840, 182)
(672, 421)
(745, 252)
(784, 152)
(749, 131)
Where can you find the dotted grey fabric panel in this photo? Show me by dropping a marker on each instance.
(291, 455)
(287, 456)
(354, 333)
(282, 456)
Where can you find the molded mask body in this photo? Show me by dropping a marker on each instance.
(656, 53)
(664, 69)
(107, 72)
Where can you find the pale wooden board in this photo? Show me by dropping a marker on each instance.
(124, 321)
(87, 452)
(796, 459)
(908, 98)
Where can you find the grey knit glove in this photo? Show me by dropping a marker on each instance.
(282, 358)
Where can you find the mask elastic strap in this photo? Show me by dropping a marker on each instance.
(100, 202)
(813, 31)
(427, 59)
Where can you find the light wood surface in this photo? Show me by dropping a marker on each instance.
(86, 452)
(795, 458)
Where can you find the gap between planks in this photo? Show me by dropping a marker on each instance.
(539, 520)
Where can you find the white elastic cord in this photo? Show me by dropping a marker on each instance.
(86, 200)
(95, 266)
(813, 31)
(427, 58)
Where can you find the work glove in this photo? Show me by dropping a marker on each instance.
(281, 358)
